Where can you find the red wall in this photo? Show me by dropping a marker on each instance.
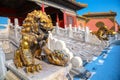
(73, 20)
(92, 23)
(61, 23)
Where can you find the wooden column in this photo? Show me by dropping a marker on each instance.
(43, 8)
(64, 15)
(75, 22)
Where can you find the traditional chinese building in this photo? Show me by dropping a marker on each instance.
(61, 11)
(91, 19)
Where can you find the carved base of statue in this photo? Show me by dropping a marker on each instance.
(48, 72)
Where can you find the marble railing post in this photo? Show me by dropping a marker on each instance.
(9, 21)
(11, 30)
(65, 26)
(70, 32)
(75, 28)
(79, 28)
(87, 32)
(49, 39)
(83, 28)
(8, 27)
(16, 26)
(57, 28)
(16, 22)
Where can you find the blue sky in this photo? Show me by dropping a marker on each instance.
(101, 6)
(3, 20)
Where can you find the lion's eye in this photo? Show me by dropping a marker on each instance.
(43, 22)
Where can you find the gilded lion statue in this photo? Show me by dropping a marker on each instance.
(103, 32)
(34, 38)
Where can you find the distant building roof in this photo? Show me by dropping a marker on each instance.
(100, 14)
(78, 4)
(70, 3)
(81, 17)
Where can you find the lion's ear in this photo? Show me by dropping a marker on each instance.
(49, 16)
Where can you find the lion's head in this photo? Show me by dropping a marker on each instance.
(37, 20)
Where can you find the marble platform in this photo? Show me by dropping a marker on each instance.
(48, 72)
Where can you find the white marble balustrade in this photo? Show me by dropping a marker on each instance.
(78, 33)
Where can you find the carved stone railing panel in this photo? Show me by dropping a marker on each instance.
(14, 34)
(94, 39)
(18, 33)
(79, 35)
(62, 32)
